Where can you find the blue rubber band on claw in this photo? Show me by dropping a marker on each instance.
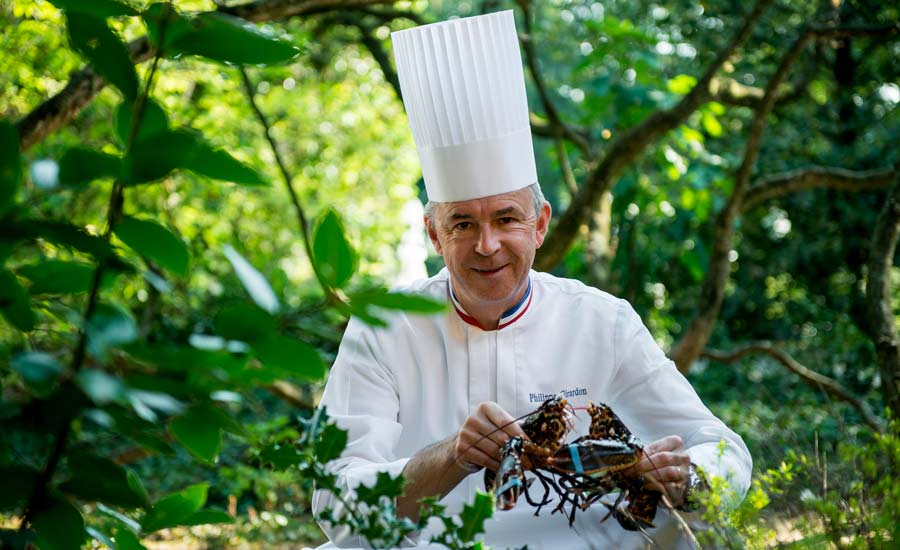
(576, 460)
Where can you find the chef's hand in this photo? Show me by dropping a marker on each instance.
(665, 467)
(482, 435)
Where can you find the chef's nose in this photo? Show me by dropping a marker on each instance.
(488, 240)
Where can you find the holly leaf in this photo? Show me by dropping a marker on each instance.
(385, 486)
(474, 515)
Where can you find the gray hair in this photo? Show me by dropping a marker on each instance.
(536, 194)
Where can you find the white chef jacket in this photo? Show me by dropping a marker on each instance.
(401, 388)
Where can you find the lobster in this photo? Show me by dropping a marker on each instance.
(580, 472)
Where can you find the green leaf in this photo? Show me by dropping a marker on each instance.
(209, 516)
(681, 84)
(62, 277)
(59, 526)
(330, 443)
(245, 322)
(98, 479)
(199, 432)
(335, 258)
(97, 8)
(398, 300)
(10, 166)
(153, 241)
(153, 120)
(103, 48)
(39, 370)
(109, 326)
(14, 302)
(174, 509)
(473, 516)
(281, 456)
(385, 486)
(127, 540)
(101, 387)
(155, 156)
(66, 234)
(17, 482)
(101, 537)
(220, 165)
(711, 124)
(217, 36)
(79, 166)
(290, 357)
(254, 281)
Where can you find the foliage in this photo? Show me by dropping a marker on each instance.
(125, 270)
(116, 380)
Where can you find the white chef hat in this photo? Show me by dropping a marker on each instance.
(464, 93)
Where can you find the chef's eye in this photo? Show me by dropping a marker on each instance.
(507, 219)
(462, 226)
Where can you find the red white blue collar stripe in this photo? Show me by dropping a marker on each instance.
(509, 316)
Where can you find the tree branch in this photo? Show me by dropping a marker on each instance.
(84, 84)
(811, 377)
(878, 298)
(712, 293)
(558, 127)
(624, 149)
(816, 177)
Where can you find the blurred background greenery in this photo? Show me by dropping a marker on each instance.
(641, 168)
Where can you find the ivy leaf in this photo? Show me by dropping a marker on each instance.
(290, 357)
(92, 38)
(199, 432)
(97, 8)
(109, 326)
(217, 36)
(153, 241)
(39, 370)
(385, 486)
(95, 478)
(153, 120)
(10, 166)
(254, 281)
(335, 258)
(14, 302)
(175, 508)
(218, 164)
(384, 299)
(59, 525)
(473, 516)
(79, 166)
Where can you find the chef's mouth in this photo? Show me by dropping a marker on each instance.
(488, 271)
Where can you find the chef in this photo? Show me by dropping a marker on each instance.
(435, 397)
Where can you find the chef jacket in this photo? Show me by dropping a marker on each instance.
(401, 388)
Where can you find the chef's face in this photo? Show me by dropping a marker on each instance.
(488, 245)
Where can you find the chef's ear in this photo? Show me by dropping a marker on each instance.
(543, 224)
(432, 234)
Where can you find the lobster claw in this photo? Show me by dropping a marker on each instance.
(510, 479)
(595, 456)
